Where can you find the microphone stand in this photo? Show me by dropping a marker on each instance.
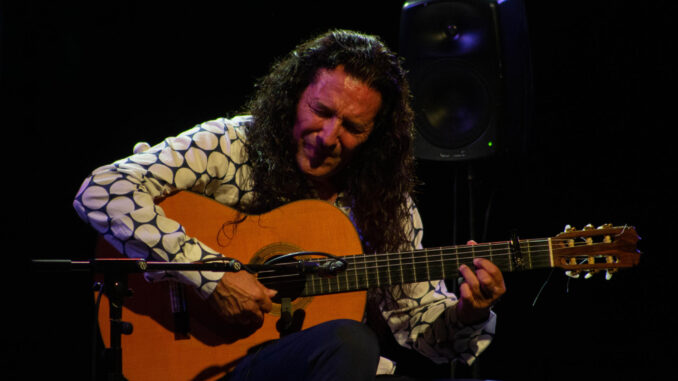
(116, 272)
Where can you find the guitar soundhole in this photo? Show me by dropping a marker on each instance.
(289, 284)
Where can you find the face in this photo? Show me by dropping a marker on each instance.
(335, 115)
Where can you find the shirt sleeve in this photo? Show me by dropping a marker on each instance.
(119, 200)
(422, 316)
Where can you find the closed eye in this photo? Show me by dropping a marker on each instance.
(354, 128)
(321, 110)
(351, 126)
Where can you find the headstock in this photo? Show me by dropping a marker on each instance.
(606, 248)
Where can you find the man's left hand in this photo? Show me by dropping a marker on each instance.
(480, 290)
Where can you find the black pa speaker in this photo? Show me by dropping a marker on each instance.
(455, 62)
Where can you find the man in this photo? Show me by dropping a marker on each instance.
(331, 121)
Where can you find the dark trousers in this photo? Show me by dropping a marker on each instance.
(336, 350)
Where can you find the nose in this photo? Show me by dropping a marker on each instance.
(331, 130)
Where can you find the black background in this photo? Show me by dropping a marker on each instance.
(84, 81)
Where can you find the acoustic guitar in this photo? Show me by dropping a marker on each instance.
(177, 336)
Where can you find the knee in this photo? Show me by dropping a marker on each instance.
(354, 338)
(346, 350)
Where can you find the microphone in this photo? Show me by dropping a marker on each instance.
(331, 267)
(327, 268)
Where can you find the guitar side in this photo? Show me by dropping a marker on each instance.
(152, 350)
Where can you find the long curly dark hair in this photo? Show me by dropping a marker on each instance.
(379, 177)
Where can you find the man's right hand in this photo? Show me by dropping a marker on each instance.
(241, 300)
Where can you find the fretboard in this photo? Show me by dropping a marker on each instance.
(375, 270)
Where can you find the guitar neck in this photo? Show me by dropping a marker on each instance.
(374, 270)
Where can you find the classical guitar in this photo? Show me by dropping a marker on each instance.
(177, 336)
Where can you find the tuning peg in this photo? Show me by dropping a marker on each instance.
(568, 228)
(608, 274)
(572, 274)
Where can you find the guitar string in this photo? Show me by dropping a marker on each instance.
(423, 255)
(536, 253)
(350, 281)
(406, 268)
(475, 250)
(364, 272)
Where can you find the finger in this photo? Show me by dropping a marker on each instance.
(266, 305)
(483, 287)
(264, 300)
(470, 279)
(466, 273)
(490, 268)
(486, 284)
(490, 278)
(465, 293)
(250, 320)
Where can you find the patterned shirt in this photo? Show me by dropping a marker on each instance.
(118, 200)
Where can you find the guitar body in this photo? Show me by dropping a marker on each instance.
(156, 350)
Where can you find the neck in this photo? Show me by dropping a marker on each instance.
(326, 190)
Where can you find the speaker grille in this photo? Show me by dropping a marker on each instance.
(453, 103)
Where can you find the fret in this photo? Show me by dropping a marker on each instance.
(386, 276)
(400, 261)
(388, 269)
(346, 280)
(390, 265)
(321, 289)
(438, 268)
(407, 268)
(529, 254)
(414, 267)
(456, 255)
(453, 263)
(351, 283)
(310, 281)
(421, 268)
(367, 278)
(355, 273)
(442, 263)
(316, 286)
(330, 282)
(374, 276)
(338, 282)
(463, 257)
(326, 281)
(489, 249)
(428, 270)
(501, 259)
